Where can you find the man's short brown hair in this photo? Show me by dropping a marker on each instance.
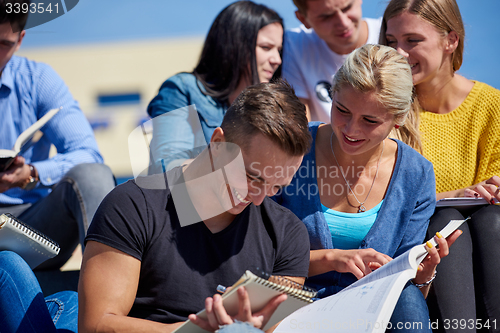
(271, 109)
(301, 6)
(10, 14)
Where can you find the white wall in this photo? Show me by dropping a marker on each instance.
(90, 70)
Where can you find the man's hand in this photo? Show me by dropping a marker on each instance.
(217, 315)
(16, 175)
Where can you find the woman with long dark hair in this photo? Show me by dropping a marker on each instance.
(242, 48)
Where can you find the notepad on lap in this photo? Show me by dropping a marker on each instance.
(33, 246)
(260, 291)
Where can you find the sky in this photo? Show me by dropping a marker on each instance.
(108, 21)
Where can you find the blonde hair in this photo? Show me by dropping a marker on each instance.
(444, 15)
(383, 70)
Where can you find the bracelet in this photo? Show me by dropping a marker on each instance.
(425, 284)
(33, 179)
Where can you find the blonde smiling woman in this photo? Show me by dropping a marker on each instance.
(359, 221)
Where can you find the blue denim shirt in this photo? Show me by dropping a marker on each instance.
(401, 223)
(188, 119)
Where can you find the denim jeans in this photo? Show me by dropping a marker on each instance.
(239, 327)
(411, 313)
(65, 214)
(22, 306)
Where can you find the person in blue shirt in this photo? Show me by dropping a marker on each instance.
(57, 195)
(366, 198)
(243, 47)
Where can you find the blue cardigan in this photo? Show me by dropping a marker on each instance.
(401, 223)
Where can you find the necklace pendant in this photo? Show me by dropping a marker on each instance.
(361, 209)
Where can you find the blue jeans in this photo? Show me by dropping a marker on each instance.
(239, 327)
(22, 306)
(65, 214)
(411, 313)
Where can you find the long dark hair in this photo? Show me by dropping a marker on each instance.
(229, 50)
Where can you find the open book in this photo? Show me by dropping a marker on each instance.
(260, 292)
(367, 304)
(33, 246)
(25, 140)
(462, 202)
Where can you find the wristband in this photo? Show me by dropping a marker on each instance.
(32, 180)
(425, 284)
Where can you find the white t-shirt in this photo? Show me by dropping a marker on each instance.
(309, 66)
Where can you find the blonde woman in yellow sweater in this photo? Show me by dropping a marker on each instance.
(460, 127)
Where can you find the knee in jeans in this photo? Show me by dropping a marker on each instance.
(90, 171)
(12, 262)
(412, 295)
(239, 327)
(8, 258)
(93, 177)
(411, 306)
(62, 302)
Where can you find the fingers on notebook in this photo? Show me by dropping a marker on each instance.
(217, 315)
(261, 318)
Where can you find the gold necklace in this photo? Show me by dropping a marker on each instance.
(361, 207)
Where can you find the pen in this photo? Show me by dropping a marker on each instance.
(221, 289)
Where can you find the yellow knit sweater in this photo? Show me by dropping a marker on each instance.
(464, 145)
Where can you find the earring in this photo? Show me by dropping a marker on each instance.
(396, 126)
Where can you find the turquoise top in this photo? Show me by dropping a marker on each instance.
(401, 224)
(349, 229)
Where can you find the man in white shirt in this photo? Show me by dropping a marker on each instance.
(313, 52)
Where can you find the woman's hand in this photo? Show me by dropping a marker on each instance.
(217, 315)
(427, 267)
(489, 189)
(358, 262)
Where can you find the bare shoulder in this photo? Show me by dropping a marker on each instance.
(391, 147)
(323, 134)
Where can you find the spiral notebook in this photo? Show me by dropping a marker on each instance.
(260, 292)
(33, 246)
